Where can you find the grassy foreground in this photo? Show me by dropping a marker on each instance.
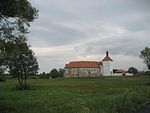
(76, 95)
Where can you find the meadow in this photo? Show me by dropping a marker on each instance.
(76, 95)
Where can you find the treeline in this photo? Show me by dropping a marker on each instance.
(54, 73)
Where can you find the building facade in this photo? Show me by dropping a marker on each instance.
(89, 68)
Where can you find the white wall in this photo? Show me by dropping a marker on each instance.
(106, 68)
(121, 74)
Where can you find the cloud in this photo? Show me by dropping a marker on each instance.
(55, 35)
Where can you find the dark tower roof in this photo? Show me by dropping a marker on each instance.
(107, 58)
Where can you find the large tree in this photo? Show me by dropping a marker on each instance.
(15, 18)
(18, 9)
(12, 12)
(21, 61)
(145, 54)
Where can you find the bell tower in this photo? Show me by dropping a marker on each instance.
(106, 65)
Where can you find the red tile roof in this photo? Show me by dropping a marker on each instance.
(120, 71)
(107, 58)
(84, 64)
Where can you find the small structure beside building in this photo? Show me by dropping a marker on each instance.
(121, 72)
(89, 68)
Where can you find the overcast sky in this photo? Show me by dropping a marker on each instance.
(70, 30)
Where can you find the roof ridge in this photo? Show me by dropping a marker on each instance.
(85, 61)
(107, 58)
(89, 64)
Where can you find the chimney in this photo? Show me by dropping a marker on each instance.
(106, 53)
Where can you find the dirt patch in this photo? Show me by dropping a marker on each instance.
(145, 108)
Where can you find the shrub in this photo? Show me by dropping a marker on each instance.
(34, 77)
(2, 78)
(54, 73)
(147, 73)
(23, 87)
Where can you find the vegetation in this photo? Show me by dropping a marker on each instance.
(43, 75)
(145, 54)
(54, 73)
(22, 62)
(61, 72)
(15, 53)
(2, 78)
(147, 73)
(76, 95)
(19, 59)
(133, 70)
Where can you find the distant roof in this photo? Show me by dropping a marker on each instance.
(120, 71)
(84, 64)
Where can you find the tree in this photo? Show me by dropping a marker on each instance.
(54, 73)
(2, 67)
(17, 9)
(133, 70)
(15, 15)
(2, 70)
(15, 18)
(61, 72)
(21, 61)
(145, 54)
(18, 57)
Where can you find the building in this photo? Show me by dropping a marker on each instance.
(121, 72)
(89, 68)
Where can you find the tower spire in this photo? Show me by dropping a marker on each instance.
(106, 53)
(107, 58)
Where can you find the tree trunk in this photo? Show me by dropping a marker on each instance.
(25, 80)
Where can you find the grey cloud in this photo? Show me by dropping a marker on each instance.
(124, 45)
(56, 34)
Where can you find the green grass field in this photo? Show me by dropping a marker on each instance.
(76, 95)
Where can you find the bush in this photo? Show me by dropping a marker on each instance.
(23, 87)
(2, 78)
(54, 73)
(33, 77)
(147, 73)
(133, 70)
(44, 76)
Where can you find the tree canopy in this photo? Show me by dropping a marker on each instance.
(15, 53)
(15, 18)
(54, 73)
(145, 54)
(18, 9)
(61, 72)
(133, 70)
